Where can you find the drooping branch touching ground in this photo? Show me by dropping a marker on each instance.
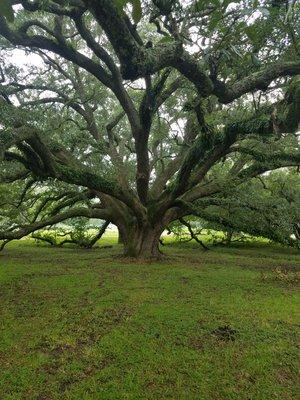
(191, 232)
(74, 236)
(24, 230)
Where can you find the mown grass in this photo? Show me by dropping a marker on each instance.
(215, 325)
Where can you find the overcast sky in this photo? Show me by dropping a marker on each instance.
(19, 58)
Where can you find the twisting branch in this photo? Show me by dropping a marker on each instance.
(63, 49)
(193, 236)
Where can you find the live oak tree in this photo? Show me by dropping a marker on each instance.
(136, 106)
(267, 206)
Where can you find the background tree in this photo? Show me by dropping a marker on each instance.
(137, 107)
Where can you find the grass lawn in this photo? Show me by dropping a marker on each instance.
(87, 324)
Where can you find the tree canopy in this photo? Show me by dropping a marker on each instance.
(142, 112)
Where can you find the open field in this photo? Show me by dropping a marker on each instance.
(89, 325)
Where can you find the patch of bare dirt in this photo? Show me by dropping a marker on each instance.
(196, 344)
(225, 333)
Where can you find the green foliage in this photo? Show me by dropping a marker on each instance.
(291, 106)
(74, 103)
(53, 236)
(267, 207)
(80, 232)
(6, 10)
(136, 8)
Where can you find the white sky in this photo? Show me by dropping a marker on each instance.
(20, 58)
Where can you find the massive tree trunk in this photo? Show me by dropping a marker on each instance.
(142, 241)
(120, 237)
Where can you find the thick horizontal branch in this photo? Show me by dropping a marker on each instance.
(76, 212)
(256, 169)
(218, 217)
(256, 81)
